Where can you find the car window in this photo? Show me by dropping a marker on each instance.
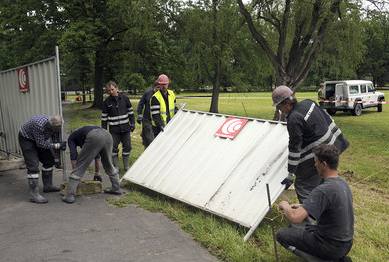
(363, 88)
(354, 90)
(370, 88)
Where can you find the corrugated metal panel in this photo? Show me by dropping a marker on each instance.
(17, 107)
(225, 177)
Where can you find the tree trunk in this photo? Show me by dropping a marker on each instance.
(216, 54)
(99, 81)
(216, 89)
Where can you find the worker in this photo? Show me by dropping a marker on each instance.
(144, 116)
(162, 104)
(330, 204)
(308, 126)
(37, 140)
(119, 116)
(93, 141)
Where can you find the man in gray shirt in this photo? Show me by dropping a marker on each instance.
(330, 204)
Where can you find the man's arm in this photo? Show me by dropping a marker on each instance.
(295, 131)
(155, 109)
(294, 213)
(104, 116)
(72, 147)
(130, 113)
(141, 105)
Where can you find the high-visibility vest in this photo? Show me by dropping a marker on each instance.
(171, 98)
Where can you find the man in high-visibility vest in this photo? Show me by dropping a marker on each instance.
(162, 104)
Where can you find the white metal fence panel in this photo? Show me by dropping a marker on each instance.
(223, 176)
(17, 107)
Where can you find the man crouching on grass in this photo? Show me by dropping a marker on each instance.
(330, 204)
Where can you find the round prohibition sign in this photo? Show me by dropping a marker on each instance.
(22, 78)
(232, 125)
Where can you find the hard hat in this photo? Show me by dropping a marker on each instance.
(280, 93)
(163, 80)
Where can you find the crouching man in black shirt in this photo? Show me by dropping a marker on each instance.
(330, 204)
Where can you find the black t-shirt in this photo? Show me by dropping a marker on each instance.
(330, 203)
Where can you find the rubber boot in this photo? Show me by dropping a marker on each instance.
(34, 191)
(115, 161)
(126, 162)
(115, 189)
(47, 178)
(70, 196)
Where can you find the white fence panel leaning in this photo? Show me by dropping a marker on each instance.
(217, 163)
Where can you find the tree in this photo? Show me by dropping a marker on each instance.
(290, 33)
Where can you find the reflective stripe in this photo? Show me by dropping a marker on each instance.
(126, 153)
(336, 134)
(293, 162)
(309, 112)
(32, 175)
(320, 140)
(309, 156)
(47, 169)
(103, 115)
(154, 112)
(131, 113)
(292, 154)
(114, 154)
(155, 107)
(110, 118)
(119, 122)
(104, 119)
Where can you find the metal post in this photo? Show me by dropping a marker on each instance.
(63, 160)
(271, 223)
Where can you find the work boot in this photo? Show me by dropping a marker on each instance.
(47, 178)
(126, 164)
(34, 191)
(115, 189)
(70, 196)
(115, 161)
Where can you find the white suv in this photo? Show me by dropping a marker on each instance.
(350, 95)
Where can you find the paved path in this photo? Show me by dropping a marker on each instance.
(89, 230)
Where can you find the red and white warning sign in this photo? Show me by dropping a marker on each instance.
(231, 127)
(23, 79)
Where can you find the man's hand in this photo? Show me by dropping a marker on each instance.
(57, 163)
(139, 119)
(283, 205)
(288, 181)
(132, 128)
(97, 177)
(62, 145)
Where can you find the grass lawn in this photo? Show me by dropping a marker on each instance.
(365, 164)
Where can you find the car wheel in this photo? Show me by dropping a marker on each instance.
(357, 110)
(331, 111)
(379, 106)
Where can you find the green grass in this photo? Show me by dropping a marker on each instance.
(365, 162)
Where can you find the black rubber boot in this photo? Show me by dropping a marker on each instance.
(47, 179)
(126, 162)
(115, 189)
(70, 196)
(33, 184)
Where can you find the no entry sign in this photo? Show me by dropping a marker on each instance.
(23, 79)
(231, 127)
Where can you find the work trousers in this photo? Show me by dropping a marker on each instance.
(97, 141)
(307, 178)
(33, 155)
(307, 240)
(125, 139)
(147, 132)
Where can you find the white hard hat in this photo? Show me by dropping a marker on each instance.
(280, 93)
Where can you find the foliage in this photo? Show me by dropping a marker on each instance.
(134, 83)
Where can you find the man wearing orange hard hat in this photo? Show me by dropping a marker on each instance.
(162, 104)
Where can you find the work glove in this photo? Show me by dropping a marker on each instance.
(132, 128)
(62, 145)
(97, 177)
(288, 181)
(139, 119)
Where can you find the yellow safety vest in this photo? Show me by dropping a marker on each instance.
(171, 98)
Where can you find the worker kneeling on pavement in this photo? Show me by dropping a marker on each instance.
(330, 203)
(36, 138)
(308, 126)
(93, 141)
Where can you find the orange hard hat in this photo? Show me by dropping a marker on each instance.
(163, 80)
